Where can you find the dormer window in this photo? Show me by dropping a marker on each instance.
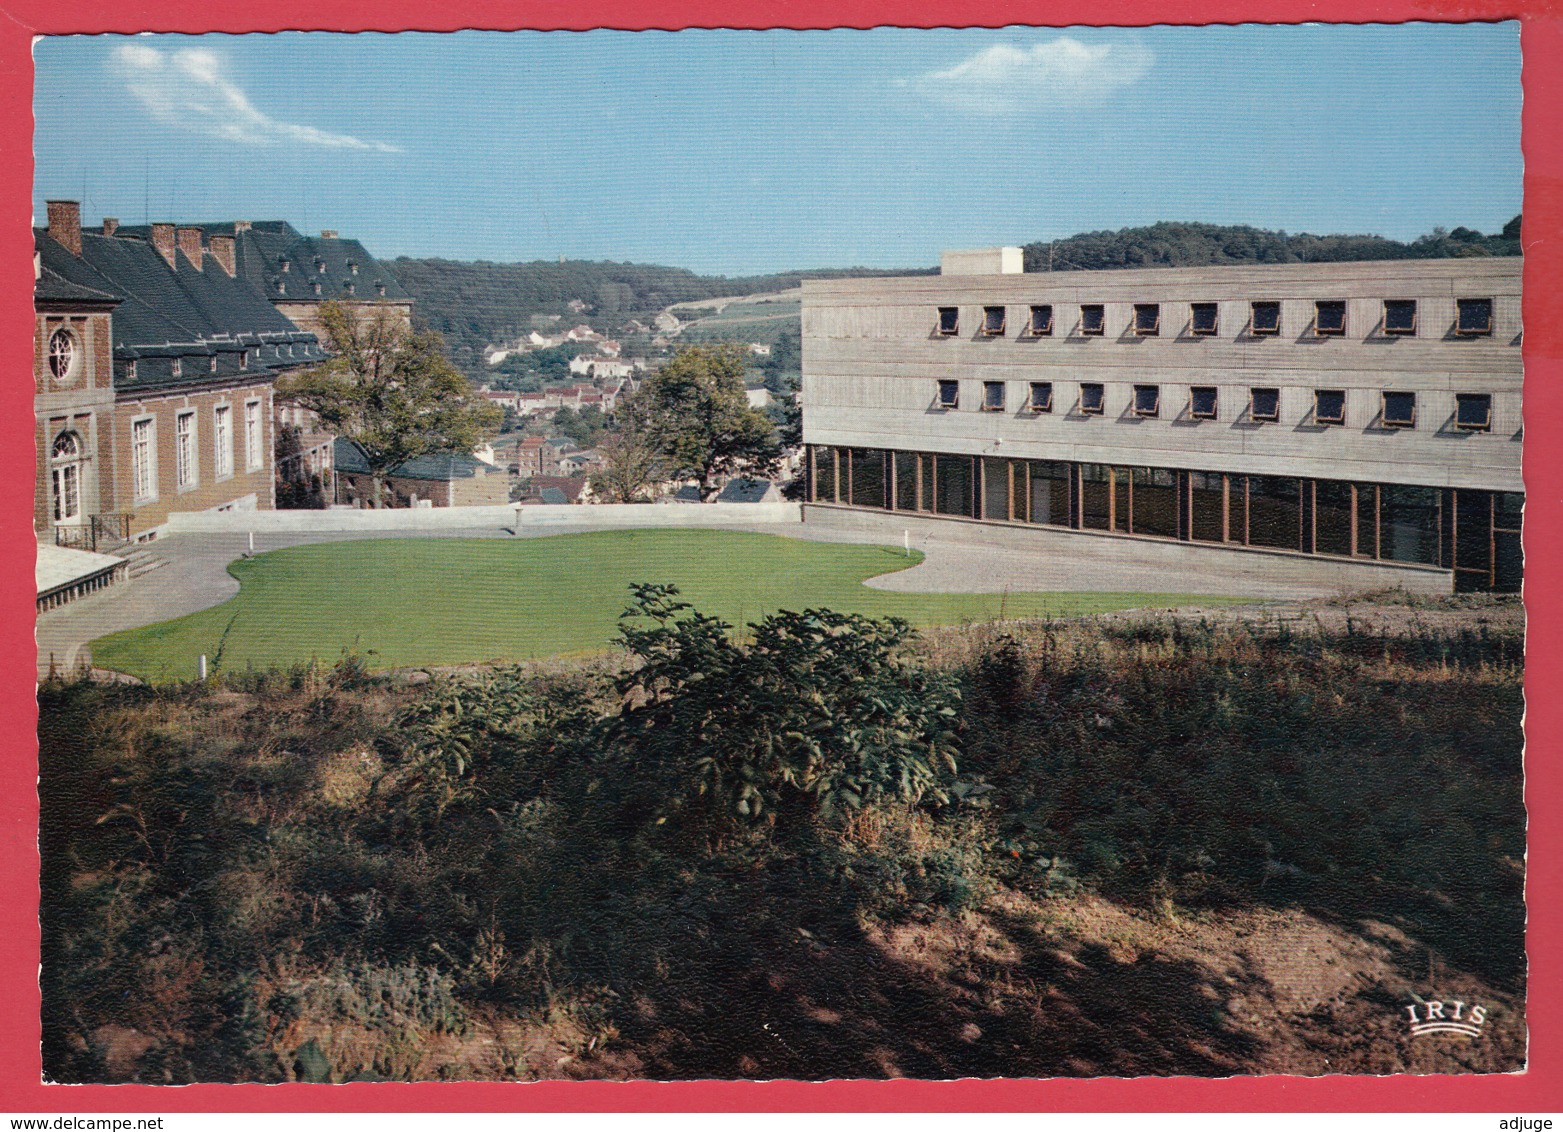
(245, 364)
(352, 267)
(282, 288)
(211, 364)
(349, 287)
(130, 370)
(284, 266)
(379, 288)
(320, 266)
(176, 367)
(317, 286)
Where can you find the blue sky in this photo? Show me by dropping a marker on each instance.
(742, 152)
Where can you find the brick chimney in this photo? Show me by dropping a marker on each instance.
(65, 224)
(110, 225)
(190, 244)
(163, 241)
(328, 233)
(240, 226)
(222, 252)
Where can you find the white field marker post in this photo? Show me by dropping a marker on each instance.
(252, 542)
(202, 666)
(906, 540)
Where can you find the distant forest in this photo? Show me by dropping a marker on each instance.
(478, 304)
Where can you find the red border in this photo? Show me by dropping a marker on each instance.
(1539, 1089)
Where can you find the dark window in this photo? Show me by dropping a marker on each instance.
(993, 396)
(1399, 316)
(1046, 497)
(866, 471)
(1207, 506)
(1041, 397)
(1329, 406)
(1202, 402)
(1275, 512)
(1041, 320)
(1475, 317)
(1203, 319)
(1264, 404)
(949, 321)
(906, 481)
(1096, 492)
(1332, 517)
(993, 321)
(1329, 318)
(1399, 409)
(1473, 411)
(1093, 319)
(1147, 319)
(1408, 523)
(956, 481)
(1265, 318)
(995, 489)
(1147, 400)
(1153, 501)
(1092, 398)
(949, 394)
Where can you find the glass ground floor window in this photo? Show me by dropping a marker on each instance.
(1476, 534)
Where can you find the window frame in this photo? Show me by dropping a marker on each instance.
(1195, 413)
(950, 328)
(1140, 409)
(149, 446)
(1401, 332)
(1100, 311)
(1334, 330)
(1408, 422)
(176, 367)
(1046, 406)
(1253, 409)
(1045, 330)
(222, 441)
(1459, 319)
(953, 402)
(987, 396)
(1140, 329)
(1319, 418)
(1254, 329)
(187, 455)
(69, 343)
(1215, 319)
(254, 445)
(1100, 389)
(1486, 425)
(988, 329)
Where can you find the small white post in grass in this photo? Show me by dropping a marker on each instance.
(906, 540)
(517, 530)
(252, 542)
(202, 666)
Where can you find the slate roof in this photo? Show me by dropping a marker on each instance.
(443, 466)
(51, 286)
(181, 312)
(263, 247)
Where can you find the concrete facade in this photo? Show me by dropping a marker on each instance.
(1161, 380)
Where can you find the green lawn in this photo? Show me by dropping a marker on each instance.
(452, 601)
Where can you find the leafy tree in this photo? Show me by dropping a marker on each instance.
(584, 426)
(390, 389)
(298, 489)
(785, 361)
(632, 464)
(698, 417)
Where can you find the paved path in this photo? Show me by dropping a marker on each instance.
(196, 577)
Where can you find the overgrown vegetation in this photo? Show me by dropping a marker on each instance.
(323, 874)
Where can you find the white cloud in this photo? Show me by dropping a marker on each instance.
(187, 88)
(1059, 74)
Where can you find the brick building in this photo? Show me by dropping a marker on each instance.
(153, 371)
(436, 479)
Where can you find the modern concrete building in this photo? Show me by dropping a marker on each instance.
(1353, 423)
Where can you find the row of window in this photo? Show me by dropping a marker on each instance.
(348, 287)
(143, 448)
(1397, 408)
(1473, 319)
(1474, 533)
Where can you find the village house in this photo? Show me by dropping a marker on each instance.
(436, 479)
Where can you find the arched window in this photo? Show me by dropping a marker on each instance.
(65, 477)
(64, 357)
